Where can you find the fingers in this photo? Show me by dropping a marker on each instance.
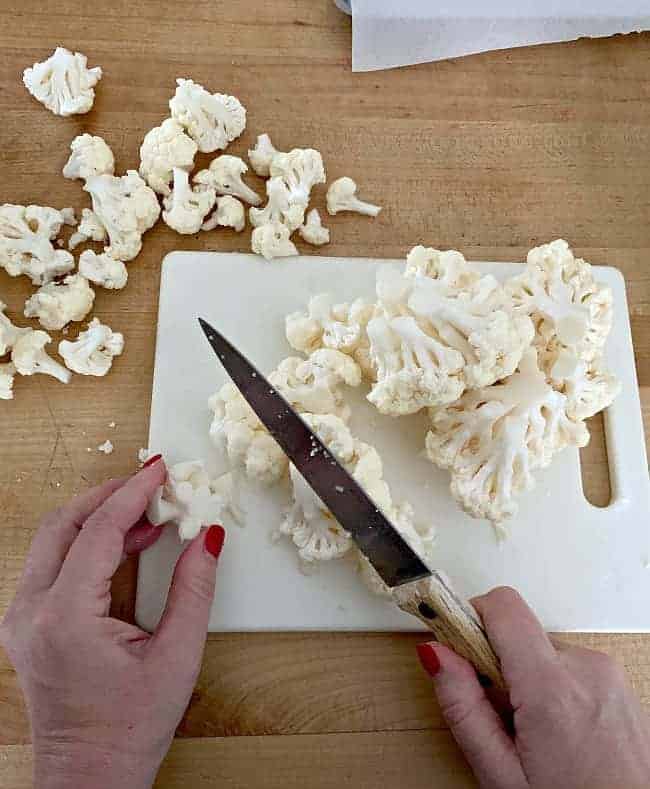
(95, 555)
(516, 635)
(142, 536)
(56, 534)
(182, 629)
(475, 724)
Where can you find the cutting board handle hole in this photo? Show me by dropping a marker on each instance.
(594, 465)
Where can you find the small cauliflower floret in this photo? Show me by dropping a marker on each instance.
(588, 387)
(186, 208)
(278, 208)
(342, 196)
(163, 149)
(63, 82)
(568, 307)
(9, 333)
(492, 439)
(224, 175)
(230, 213)
(449, 269)
(93, 351)
(313, 231)
(58, 303)
(300, 169)
(26, 247)
(126, 207)
(211, 119)
(192, 499)
(236, 427)
(262, 155)
(7, 373)
(89, 156)
(273, 241)
(103, 270)
(29, 357)
(89, 229)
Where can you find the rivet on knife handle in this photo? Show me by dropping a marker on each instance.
(453, 622)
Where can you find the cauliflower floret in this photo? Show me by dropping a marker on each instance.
(186, 208)
(261, 155)
(300, 169)
(236, 427)
(29, 357)
(26, 235)
(7, 373)
(212, 120)
(342, 196)
(192, 500)
(230, 213)
(278, 209)
(106, 448)
(313, 231)
(103, 270)
(224, 175)
(89, 229)
(126, 207)
(273, 241)
(89, 156)
(163, 149)
(9, 333)
(63, 82)
(58, 303)
(569, 309)
(588, 387)
(493, 438)
(93, 351)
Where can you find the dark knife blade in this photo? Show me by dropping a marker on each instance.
(373, 533)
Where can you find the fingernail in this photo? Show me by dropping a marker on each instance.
(151, 461)
(214, 539)
(429, 659)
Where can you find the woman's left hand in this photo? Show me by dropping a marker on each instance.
(104, 697)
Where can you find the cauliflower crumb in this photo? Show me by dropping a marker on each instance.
(106, 447)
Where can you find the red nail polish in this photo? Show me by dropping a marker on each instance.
(429, 659)
(151, 461)
(214, 539)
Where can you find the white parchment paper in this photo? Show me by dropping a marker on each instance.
(390, 33)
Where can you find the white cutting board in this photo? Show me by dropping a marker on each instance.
(582, 568)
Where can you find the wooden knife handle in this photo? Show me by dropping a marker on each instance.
(453, 622)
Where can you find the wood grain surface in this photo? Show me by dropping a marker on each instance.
(490, 154)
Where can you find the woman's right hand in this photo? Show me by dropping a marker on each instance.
(574, 721)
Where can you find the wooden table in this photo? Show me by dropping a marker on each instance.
(491, 154)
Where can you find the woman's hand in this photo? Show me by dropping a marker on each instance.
(104, 697)
(576, 721)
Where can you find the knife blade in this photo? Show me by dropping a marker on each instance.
(416, 588)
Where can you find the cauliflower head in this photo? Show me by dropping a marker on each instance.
(93, 351)
(186, 208)
(163, 149)
(63, 82)
(89, 156)
(58, 303)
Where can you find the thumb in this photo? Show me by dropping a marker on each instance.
(183, 627)
(475, 724)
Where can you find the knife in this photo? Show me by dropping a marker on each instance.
(416, 589)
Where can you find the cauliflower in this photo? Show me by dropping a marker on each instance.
(58, 303)
(29, 357)
(342, 196)
(106, 448)
(7, 373)
(89, 156)
(93, 351)
(26, 235)
(63, 82)
(89, 229)
(278, 209)
(9, 333)
(163, 149)
(212, 120)
(186, 208)
(224, 175)
(103, 270)
(588, 387)
(261, 155)
(126, 207)
(192, 500)
(230, 213)
(569, 309)
(313, 231)
(273, 241)
(300, 169)
(491, 439)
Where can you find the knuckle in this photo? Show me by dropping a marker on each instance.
(457, 712)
